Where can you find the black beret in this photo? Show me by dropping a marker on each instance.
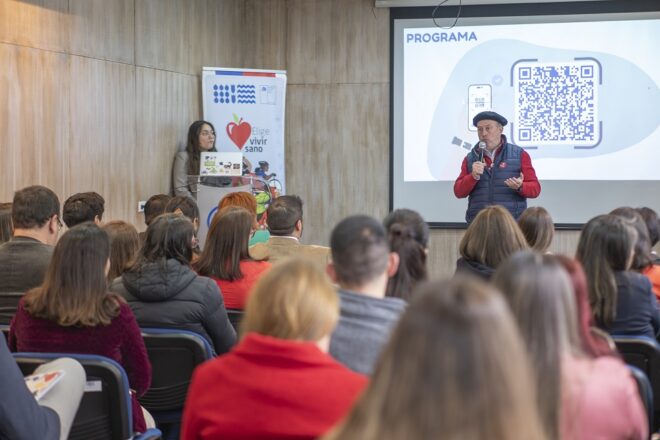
(491, 116)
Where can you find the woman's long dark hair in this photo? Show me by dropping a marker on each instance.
(169, 236)
(75, 289)
(408, 235)
(192, 146)
(642, 258)
(226, 244)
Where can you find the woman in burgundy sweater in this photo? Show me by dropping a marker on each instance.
(72, 312)
(278, 382)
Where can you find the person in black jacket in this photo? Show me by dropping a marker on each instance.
(163, 291)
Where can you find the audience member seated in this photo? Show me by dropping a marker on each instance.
(24, 259)
(83, 207)
(278, 382)
(73, 312)
(653, 226)
(538, 228)
(163, 291)
(188, 208)
(455, 369)
(642, 258)
(490, 239)
(154, 207)
(285, 224)
(593, 343)
(226, 259)
(124, 246)
(21, 417)
(6, 226)
(248, 201)
(361, 266)
(408, 235)
(622, 300)
(578, 396)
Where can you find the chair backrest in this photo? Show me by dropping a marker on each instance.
(643, 353)
(8, 305)
(645, 392)
(105, 408)
(174, 354)
(235, 317)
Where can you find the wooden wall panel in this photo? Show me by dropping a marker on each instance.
(344, 41)
(103, 29)
(265, 44)
(42, 24)
(219, 34)
(34, 125)
(163, 34)
(166, 105)
(337, 153)
(103, 134)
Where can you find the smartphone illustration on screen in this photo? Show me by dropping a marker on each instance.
(479, 100)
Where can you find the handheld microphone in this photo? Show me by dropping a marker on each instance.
(482, 147)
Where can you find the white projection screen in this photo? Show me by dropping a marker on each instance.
(578, 82)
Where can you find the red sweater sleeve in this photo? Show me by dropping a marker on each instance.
(133, 352)
(465, 183)
(531, 188)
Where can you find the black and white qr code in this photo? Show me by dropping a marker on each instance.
(556, 103)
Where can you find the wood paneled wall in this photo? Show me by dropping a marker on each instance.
(98, 94)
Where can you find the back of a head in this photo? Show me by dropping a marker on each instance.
(283, 214)
(124, 245)
(82, 207)
(185, 205)
(6, 226)
(455, 368)
(539, 293)
(33, 207)
(537, 227)
(169, 236)
(226, 244)
(642, 258)
(492, 237)
(652, 223)
(74, 291)
(359, 250)
(155, 206)
(408, 235)
(606, 245)
(294, 300)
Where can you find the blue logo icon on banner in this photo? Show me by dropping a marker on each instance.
(234, 94)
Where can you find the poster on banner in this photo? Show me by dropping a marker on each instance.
(246, 106)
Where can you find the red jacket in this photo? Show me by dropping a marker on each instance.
(268, 388)
(235, 293)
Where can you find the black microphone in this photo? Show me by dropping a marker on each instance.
(482, 147)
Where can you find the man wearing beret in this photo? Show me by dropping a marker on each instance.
(496, 172)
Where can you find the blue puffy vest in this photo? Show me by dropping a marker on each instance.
(490, 189)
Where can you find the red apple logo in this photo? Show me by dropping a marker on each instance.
(239, 132)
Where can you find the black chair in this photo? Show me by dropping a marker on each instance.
(174, 354)
(645, 392)
(8, 305)
(105, 409)
(235, 317)
(5, 332)
(643, 353)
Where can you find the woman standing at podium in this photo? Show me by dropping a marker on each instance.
(201, 137)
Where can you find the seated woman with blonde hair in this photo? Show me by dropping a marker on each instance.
(454, 369)
(278, 382)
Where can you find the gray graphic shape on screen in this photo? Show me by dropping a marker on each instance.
(626, 100)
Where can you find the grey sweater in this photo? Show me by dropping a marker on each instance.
(364, 327)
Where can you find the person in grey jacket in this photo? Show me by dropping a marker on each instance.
(201, 137)
(362, 265)
(163, 291)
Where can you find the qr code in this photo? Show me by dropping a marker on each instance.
(556, 103)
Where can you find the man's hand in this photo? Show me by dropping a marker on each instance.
(515, 183)
(477, 170)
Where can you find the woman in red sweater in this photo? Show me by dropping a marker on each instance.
(73, 312)
(278, 382)
(225, 258)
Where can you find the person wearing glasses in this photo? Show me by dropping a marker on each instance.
(25, 258)
(201, 138)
